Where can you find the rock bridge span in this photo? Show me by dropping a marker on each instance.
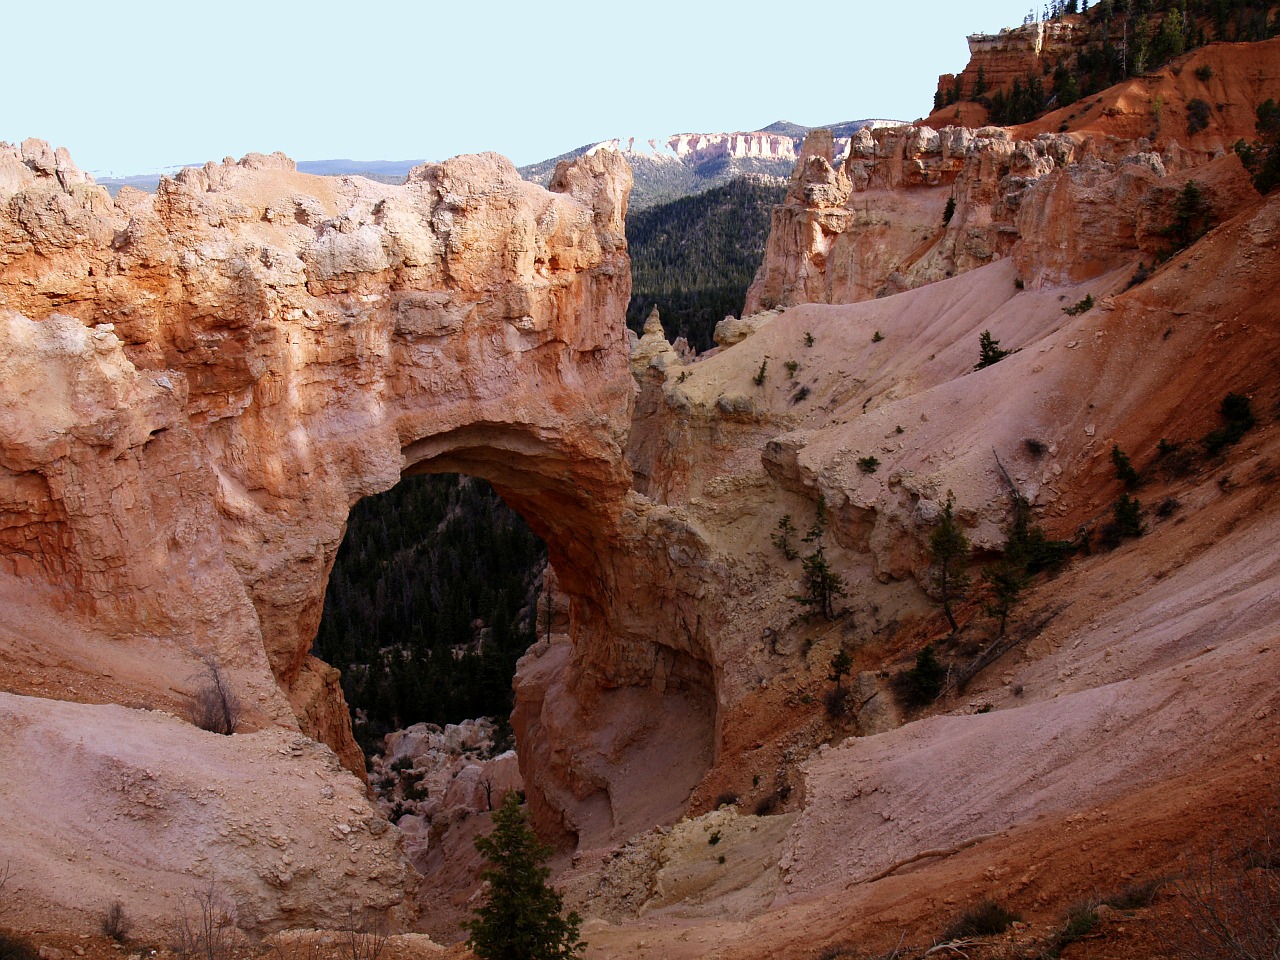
(203, 381)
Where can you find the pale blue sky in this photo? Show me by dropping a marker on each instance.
(136, 85)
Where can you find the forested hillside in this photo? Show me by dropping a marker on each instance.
(695, 257)
(1124, 38)
(423, 611)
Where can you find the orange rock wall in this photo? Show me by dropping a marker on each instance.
(201, 383)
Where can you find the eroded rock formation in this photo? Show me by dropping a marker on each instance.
(912, 205)
(1015, 53)
(202, 382)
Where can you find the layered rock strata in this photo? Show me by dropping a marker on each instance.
(200, 383)
(1016, 53)
(913, 205)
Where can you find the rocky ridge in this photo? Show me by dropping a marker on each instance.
(671, 166)
(878, 222)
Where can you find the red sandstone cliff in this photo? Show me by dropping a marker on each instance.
(874, 224)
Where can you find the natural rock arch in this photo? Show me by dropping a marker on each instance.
(241, 357)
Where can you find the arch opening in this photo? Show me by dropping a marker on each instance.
(613, 716)
(431, 600)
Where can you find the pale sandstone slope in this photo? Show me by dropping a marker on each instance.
(144, 808)
(1138, 711)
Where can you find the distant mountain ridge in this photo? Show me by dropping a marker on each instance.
(384, 171)
(666, 167)
(676, 165)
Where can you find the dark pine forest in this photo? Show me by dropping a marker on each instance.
(695, 257)
(428, 606)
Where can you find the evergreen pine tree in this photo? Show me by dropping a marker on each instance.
(821, 584)
(1007, 581)
(989, 351)
(521, 918)
(949, 550)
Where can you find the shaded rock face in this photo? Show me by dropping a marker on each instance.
(1066, 206)
(201, 383)
(1015, 53)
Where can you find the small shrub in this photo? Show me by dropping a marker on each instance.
(1176, 459)
(1238, 414)
(868, 464)
(1168, 507)
(877, 337)
(1128, 516)
(361, 939)
(1006, 581)
(1133, 896)
(1124, 468)
(1035, 447)
(1139, 276)
(949, 553)
(949, 211)
(1126, 522)
(836, 702)
(922, 683)
(714, 838)
(1190, 217)
(782, 539)
(822, 586)
(1228, 903)
(1198, 113)
(792, 367)
(215, 706)
(758, 379)
(1080, 306)
(986, 919)
(1079, 923)
(205, 928)
(115, 923)
(767, 804)
(726, 799)
(989, 350)
(1204, 73)
(808, 339)
(799, 395)
(14, 946)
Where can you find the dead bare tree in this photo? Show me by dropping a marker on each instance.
(205, 928)
(1227, 906)
(362, 939)
(215, 706)
(115, 923)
